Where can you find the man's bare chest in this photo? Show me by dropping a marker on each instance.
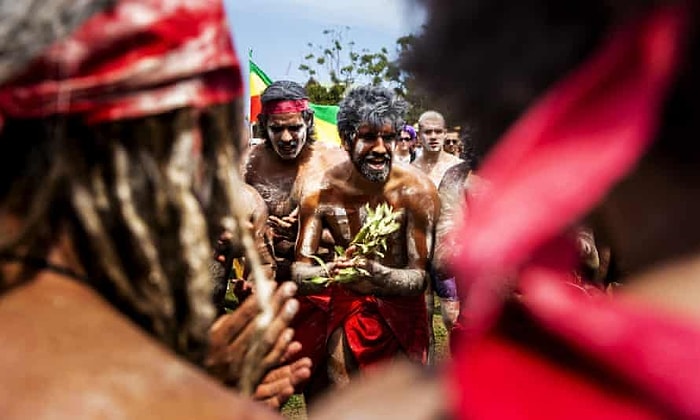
(345, 216)
(277, 190)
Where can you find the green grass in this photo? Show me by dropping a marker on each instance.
(295, 409)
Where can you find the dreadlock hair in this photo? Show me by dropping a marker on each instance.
(373, 105)
(125, 193)
(286, 90)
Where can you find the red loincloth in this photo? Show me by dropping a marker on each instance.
(311, 327)
(378, 329)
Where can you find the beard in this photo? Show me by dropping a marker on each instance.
(374, 167)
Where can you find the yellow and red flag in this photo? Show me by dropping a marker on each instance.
(258, 82)
(325, 116)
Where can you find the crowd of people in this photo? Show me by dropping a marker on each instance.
(128, 205)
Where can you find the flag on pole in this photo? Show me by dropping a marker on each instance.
(258, 82)
(325, 116)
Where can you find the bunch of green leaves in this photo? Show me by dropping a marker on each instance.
(370, 241)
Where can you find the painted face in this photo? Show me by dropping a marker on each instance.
(287, 133)
(451, 143)
(372, 151)
(404, 142)
(432, 134)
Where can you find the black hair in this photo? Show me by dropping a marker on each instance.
(285, 90)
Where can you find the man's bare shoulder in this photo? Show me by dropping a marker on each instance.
(455, 175)
(450, 159)
(410, 179)
(81, 359)
(325, 155)
(257, 156)
(252, 200)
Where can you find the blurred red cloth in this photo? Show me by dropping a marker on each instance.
(136, 58)
(565, 354)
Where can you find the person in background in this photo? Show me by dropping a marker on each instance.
(405, 145)
(453, 143)
(434, 161)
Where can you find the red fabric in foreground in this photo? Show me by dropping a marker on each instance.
(650, 361)
(137, 58)
(553, 166)
(563, 156)
(378, 329)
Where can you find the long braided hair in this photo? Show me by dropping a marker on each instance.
(130, 198)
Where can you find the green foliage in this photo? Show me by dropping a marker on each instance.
(338, 61)
(370, 241)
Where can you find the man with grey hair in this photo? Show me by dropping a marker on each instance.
(382, 314)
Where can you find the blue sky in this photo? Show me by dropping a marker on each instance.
(278, 31)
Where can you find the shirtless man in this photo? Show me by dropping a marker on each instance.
(434, 161)
(278, 169)
(227, 251)
(457, 181)
(383, 315)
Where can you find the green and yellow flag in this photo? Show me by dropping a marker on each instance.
(325, 116)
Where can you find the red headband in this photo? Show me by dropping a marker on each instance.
(137, 58)
(563, 156)
(284, 107)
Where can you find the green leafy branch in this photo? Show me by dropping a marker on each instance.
(370, 241)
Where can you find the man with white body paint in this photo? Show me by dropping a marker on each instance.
(278, 169)
(434, 162)
(382, 315)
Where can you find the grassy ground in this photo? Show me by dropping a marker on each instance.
(295, 409)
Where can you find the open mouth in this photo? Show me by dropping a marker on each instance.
(287, 149)
(377, 163)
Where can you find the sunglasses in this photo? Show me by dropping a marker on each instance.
(404, 139)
